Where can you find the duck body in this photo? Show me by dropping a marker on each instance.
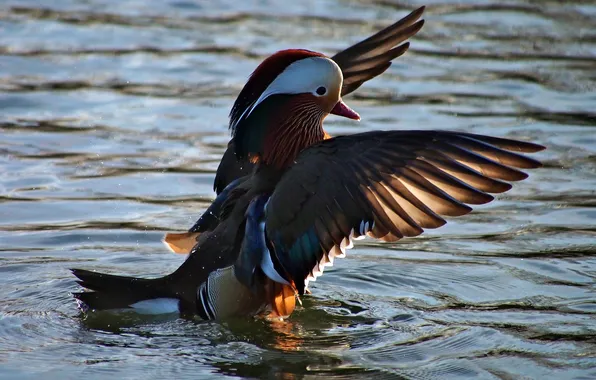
(271, 231)
(278, 229)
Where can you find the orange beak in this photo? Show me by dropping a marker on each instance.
(341, 109)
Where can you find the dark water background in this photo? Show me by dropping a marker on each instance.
(113, 119)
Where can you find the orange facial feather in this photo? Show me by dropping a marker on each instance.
(298, 126)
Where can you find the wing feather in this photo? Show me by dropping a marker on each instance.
(385, 184)
(372, 56)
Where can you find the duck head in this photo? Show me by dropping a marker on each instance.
(281, 109)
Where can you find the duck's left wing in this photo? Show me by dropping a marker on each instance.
(184, 242)
(385, 184)
(230, 169)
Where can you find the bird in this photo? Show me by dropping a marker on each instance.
(306, 199)
(359, 63)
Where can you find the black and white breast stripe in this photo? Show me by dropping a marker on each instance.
(204, 307)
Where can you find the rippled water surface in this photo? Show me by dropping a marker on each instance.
(113, 120)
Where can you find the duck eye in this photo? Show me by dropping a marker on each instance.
(321, 91)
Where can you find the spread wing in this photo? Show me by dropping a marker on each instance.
(371, 57)
(385, 184)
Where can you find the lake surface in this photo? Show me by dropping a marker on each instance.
(113, 120)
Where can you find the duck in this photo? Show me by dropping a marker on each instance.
(307, 198)
(359, 63)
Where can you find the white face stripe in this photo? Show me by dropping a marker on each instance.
(302, 76)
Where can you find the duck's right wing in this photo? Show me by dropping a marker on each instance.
(385, 184)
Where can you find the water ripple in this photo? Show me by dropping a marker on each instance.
(115, 118)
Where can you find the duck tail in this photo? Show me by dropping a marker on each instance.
(148, 296)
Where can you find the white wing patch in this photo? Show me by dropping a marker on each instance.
(157, 306)
(267, 264)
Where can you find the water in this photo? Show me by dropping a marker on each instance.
(113, 121)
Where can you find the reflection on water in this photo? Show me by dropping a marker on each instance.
(113, 121)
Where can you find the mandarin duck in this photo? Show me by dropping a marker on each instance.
(358, 63)
(271, 231)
